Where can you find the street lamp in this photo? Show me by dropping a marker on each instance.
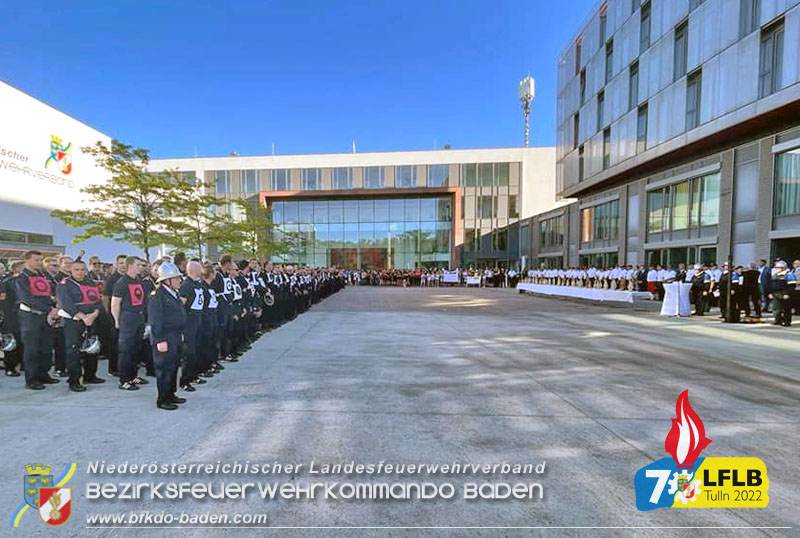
(527, 91)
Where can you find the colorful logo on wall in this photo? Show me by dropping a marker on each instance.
(49, 497)
(59, 154)
(687, 480)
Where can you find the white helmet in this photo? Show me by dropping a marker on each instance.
(781, 264)
(7, 342)
(91, 345)
(168, 270)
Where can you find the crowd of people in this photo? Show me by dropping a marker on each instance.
(179, 320)
(432, 277)
(754, 290)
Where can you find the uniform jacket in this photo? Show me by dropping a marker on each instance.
(166, 316)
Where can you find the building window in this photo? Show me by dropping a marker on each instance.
(500, 240)
(438, 175)
(188, 176)
(406, 176)
(606, 148)
(485, 206)
(680, 50)
(641, 129)
(486, 174)
(551, 232)
(580, 164)
(600, 222)
(771, 60)
(644, 28)
(787, 187)
(469, 175)
(601, 103)
(311, 179)
(609, 60)
(688, 204)
(342, 178)
(222, 179)
(583, 86)
(279, 180)
(633, 86)
(578, 56)
(603, 25)
(501, 174)
(576, 128)
(250, 181)
(693, 88)
(513, 209)
(749, 16)
(373, 177)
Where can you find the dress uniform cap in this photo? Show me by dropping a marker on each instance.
(168, 270)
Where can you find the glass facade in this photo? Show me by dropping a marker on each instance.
(680, 206)
(600, 222)
(366, 233)
(787, 183)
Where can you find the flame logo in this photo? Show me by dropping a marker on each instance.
(687, 437)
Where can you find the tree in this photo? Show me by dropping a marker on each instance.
(197, 223)
(133, 206)
(252, 236)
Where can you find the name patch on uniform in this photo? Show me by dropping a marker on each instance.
(136, 292)
(39, 286)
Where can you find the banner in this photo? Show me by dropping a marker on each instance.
(450, 277)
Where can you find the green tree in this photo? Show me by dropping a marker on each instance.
(252, 236)
(134, 206)
(197, 222)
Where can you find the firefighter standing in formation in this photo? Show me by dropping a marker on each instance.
(153, 316)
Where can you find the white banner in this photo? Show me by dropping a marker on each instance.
(473, 281)
(450, 277)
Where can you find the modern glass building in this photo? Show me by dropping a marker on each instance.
(404, 210)
(678, 134)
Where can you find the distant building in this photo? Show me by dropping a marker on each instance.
(404, 210)
(42, 168)
(678, 134)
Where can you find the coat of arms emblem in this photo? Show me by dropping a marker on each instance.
(59, 154)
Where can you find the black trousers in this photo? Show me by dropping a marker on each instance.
(131, 330)
(209, 340)
(783, 310)
(73, 338)
(166, 366)
(59, 349)
(192, 362)
(37, 340)
(748, 295)
(700, 301)
(225, 328)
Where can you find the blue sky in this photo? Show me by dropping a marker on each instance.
(173, 76)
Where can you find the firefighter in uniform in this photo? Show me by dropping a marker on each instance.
(167, 318)
(113, 332)
(79, 306)
(36, 314)
(701, 284)
(209, 335)
(781, 288)
(10, 340)
(192, 296)
(128, 305)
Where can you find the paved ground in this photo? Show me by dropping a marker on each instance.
(435, 376)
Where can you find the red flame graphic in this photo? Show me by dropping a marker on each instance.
(687, 437)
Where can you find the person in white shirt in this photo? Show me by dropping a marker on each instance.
(652, 280)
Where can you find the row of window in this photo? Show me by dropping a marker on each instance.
(476, 241)
(25, 237)
(342, 178)
(600, 222)
(770, 74)
(551, 232)
(680, 206)
(486, 206)
(362, 210)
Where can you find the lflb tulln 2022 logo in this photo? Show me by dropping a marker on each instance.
(688, 481)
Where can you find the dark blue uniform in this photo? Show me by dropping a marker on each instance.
(9, 313)
(74, 297)
(33, 293)
(131, 324)
(209, 335)
(167, 319)
(193, 295)
(113, 332)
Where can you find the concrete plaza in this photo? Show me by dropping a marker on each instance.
(440, 376)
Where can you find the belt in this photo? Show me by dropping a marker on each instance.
(63, 313)
(26, 308)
